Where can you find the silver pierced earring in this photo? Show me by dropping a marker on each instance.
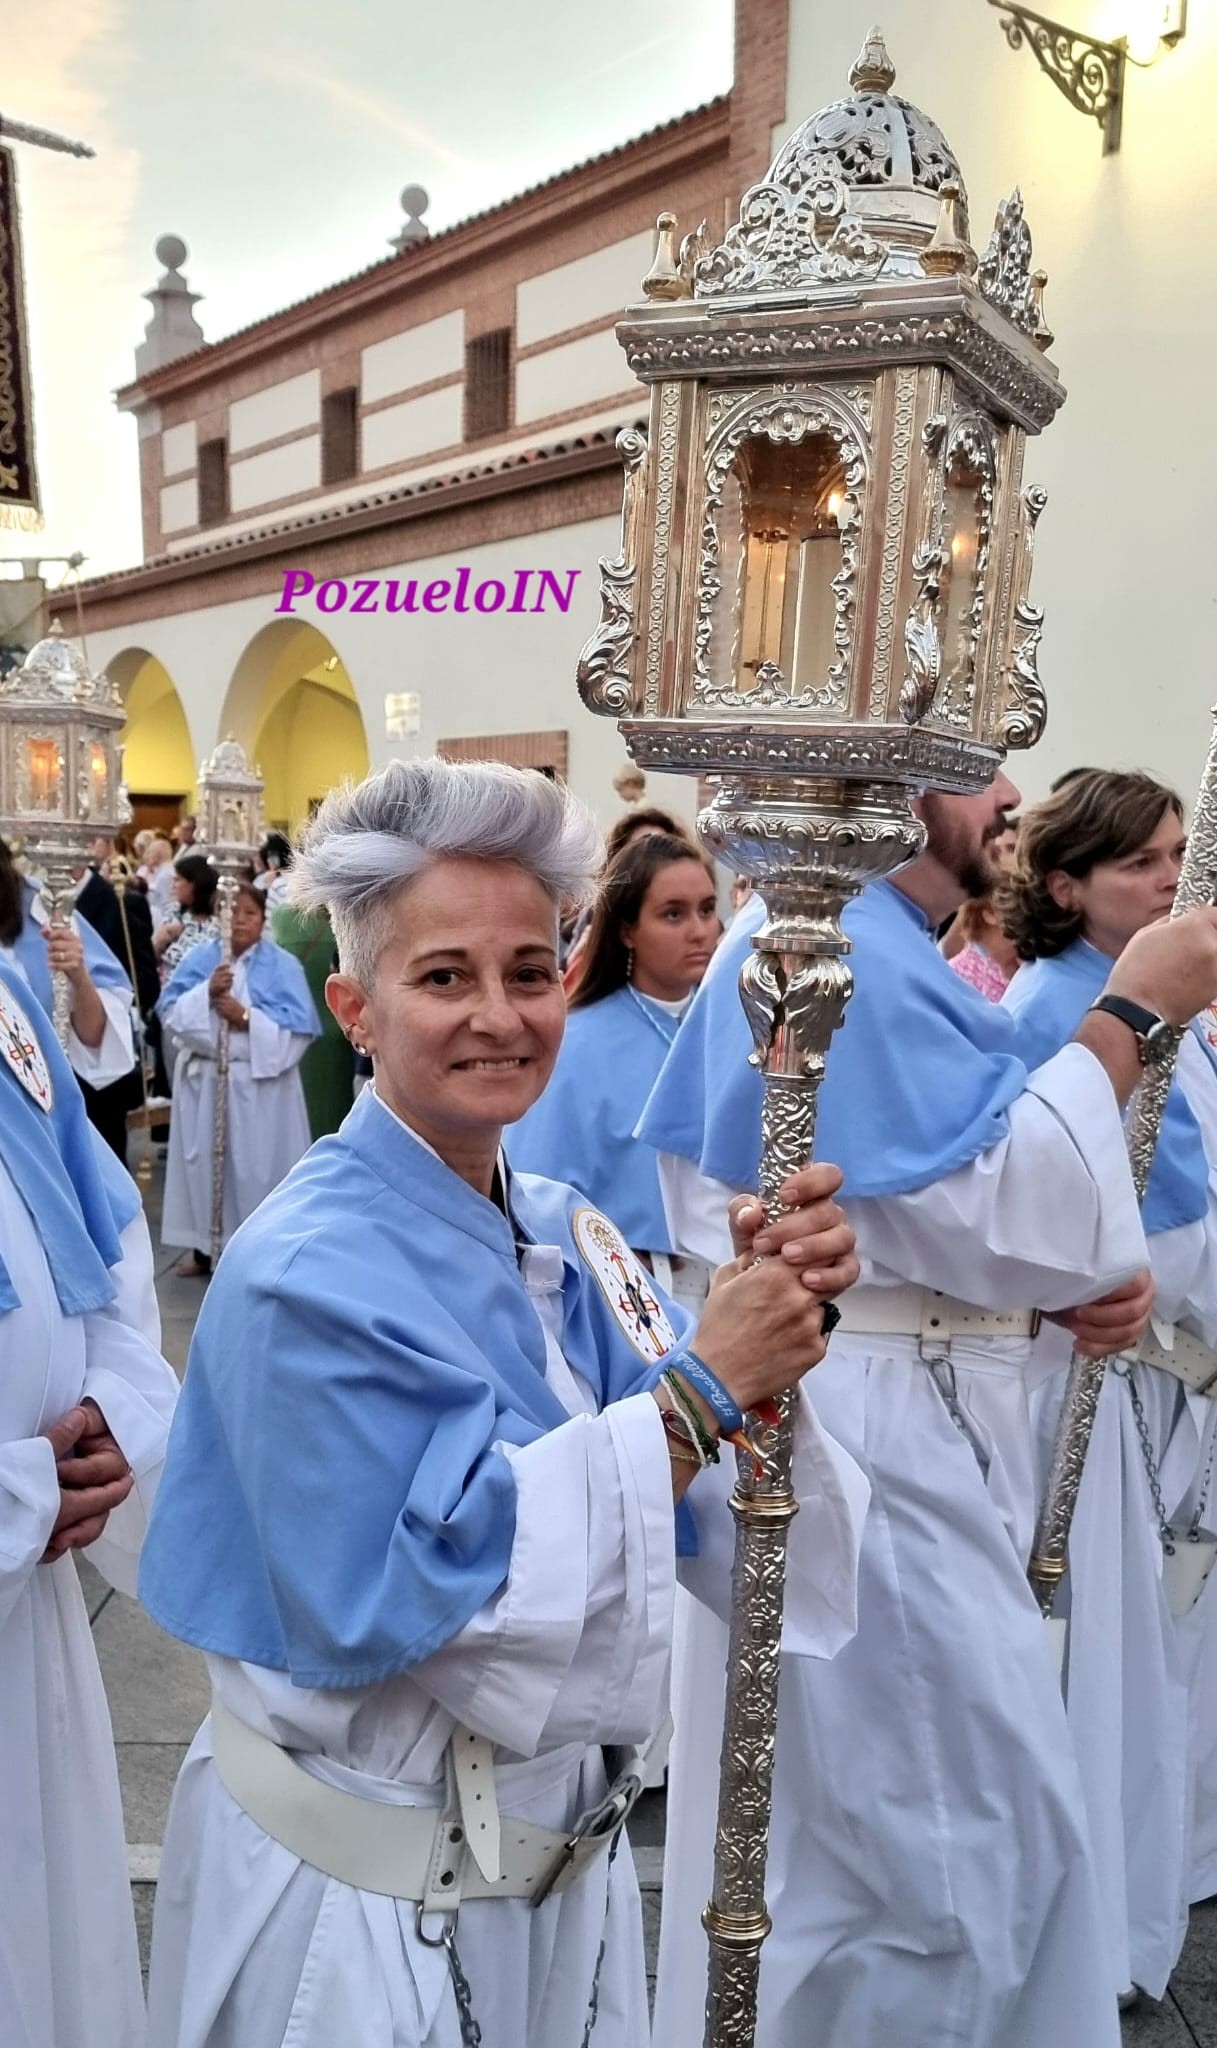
(629, 963)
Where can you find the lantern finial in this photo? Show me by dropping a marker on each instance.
(873, 69)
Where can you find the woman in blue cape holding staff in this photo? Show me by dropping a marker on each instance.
(263, 997)
(652, 934)
(441, 1440)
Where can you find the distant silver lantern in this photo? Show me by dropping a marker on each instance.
(230, 808)
(229, 832)
(821, 606)
(60, 772)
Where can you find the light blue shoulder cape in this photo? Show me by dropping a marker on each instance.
(277, 984)
(78, 1200)
(582, 1128)
(918, 1081)
(1049, 999)
(30, 948)
(332, 1504)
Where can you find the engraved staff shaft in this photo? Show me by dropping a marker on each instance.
(1050, 1551)
(219, 1144)
(810, 850)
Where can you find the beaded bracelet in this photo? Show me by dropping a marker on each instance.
(687, 1408)
(707, 1383)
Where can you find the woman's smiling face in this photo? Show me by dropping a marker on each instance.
(466, 1015)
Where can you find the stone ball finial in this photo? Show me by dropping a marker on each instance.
(171, 250)
(415, 199)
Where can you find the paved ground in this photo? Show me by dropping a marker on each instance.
(158, 1696)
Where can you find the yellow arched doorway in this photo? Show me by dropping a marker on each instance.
(292, 705)
(158, 759)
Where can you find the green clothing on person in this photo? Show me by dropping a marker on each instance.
(326, 1069)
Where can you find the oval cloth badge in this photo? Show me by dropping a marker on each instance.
(625, 1284)
(22, 1051)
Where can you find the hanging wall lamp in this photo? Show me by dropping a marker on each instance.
(1088, 71)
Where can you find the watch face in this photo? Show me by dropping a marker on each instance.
(1158, 1037)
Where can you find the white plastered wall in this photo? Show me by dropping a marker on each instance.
(1126, 564)
(497, 673)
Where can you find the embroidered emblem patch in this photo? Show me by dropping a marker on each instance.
(22, 1051)
(625, 1284)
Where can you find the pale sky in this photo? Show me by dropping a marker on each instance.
(275, 139)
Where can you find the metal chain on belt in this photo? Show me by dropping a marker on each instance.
(471, 2033)
(593, 2003)
(942, 1372)
(1126, 1373)
(1202, 1500)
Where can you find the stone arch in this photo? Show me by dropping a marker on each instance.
(292, 705)
(159, 765)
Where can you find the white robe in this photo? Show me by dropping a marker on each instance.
(69, 1965)
(252, 1948)
(929, 1875)
(1197, 1631)
(268, 1127)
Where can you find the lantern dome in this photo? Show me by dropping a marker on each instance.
(856, 193)
(53, 671)
(229, 763)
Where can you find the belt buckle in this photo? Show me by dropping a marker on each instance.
(603, 1823)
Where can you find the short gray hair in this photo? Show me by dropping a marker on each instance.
(368, 838)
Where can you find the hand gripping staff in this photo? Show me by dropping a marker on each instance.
(1050, 1550)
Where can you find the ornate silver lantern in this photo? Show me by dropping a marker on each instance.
(230, 828)
(60, 772)
(821, 606)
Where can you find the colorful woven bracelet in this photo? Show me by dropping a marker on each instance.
(697, 1374)
(687, 1407)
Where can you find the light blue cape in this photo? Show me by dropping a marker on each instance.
(918, 1080)
(582, 1128)
(332, 1504)
(1049, 999)
(30, 948)
(78, 1202)
(277, 984)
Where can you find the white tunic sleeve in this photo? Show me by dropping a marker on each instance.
(137, 1393)
(193, 1022)
(575, 1647)
(1046, 1218)
(29, 1504)
(821, 1607)
(273, 1050)
(108, 1061)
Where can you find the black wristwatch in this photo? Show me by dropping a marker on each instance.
(1153, 1033)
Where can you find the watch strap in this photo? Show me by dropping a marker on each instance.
(1147, 1025)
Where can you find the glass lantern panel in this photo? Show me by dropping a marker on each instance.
(961, 519)
(780, 549)
(40, 784)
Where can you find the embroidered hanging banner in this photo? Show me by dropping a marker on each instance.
(19, 502)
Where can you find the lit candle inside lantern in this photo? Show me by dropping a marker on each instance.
(46, 766)
(97, 777)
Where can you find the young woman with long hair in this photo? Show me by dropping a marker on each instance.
(653, 931)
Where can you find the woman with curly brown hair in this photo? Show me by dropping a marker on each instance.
(1098, 861)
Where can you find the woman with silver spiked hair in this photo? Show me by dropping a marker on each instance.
(423, 1508)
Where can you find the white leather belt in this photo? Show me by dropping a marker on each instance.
(1185, 1358)
(435, 1858)
(924, 1313)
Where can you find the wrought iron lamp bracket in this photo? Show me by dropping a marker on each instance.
(1089, 73)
